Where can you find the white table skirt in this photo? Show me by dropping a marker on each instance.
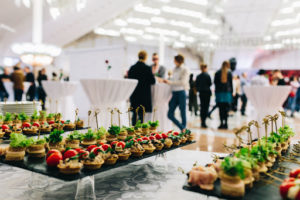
(267, 100)
(161, 94)
(10, 90)
(109, 93)
(60, 97)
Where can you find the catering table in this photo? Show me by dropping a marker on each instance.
(9, 89)
(161, 94)
(267, 100)
(152, 178)
(60, 97)
(105, 94)
(28, 107)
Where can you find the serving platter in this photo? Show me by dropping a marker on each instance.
(265, 188)
(40, 166)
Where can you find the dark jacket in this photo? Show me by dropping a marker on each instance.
(203, 82)
(223, 87)
(142, 93)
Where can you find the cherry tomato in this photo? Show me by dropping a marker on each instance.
(152, 138)
(158, 137)
(164, 135)
(113, 143)
(121, 144)
(145, 138)
(176, 133)
(26, 125)
(36, 124)
(105, 147)
(53, 159)
(51, 122)
(284, 188)
(62, 121)
(78, 149)
(83, 154)
(170, 131)
(51, 152)
(91, 147)
(5, 127)
(295, 173)
(139, 140)
(70, 153)
(96, 150)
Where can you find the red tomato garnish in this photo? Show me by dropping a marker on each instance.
(121, 144)
(139, 140)
(36, 124)
(176, 133)
(78, 149)
(170, 131)
(158, 136)
(51, 122)
(145, 138)
(91, 147)
(51, 152)
(96, 150)
(295, 173)
(83, 154)
(113, 143)
(70, 153)
(284, 188)
(62, 121)
(164, 135)
(105, 147)
(5, 127)
(53, 159)
(26, 125)
(152, 138)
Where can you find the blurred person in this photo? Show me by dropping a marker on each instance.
(5, 77)
(203, 83)
(42, 76)
(193, 104)
(179, 84)
(142, 93)
(54, 76)
(244, 82)
(18, 78)
(223, 90)
(30, 95)
(260, 79)
(157, 69)
(277, 78)
(292, 99)
(236, 84)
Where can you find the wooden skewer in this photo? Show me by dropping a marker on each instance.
(111, 116)
(144, 110)
(96, 116)
(266, 123)
(274, 177)
(129, 118)
(275, 118)
(119, 116)
(154, 110)
(258, 134)
(76, 114)
(89, 114)
(137, 113)
(283, 114)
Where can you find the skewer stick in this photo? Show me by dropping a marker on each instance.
(154, 111)
(56, 107)
(89, 114)
(96, 116)
(137, 113)
(144, 110)
(129, 118)
(266, 123)
(283, 114)
(76, 114)
(50, 105)
(119, 116)
(275, 118)
(250, 132)
(111, 115)
(258, 134)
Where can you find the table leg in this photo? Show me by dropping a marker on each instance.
(86, 188)
(37, 181)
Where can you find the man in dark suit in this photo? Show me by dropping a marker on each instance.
(142, 93)
(30, 95)
(203, 83)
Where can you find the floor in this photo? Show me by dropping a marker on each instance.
(213, 140)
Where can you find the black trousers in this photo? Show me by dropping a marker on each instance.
(135, 118)
(18, 94)
(42, 96)
(244, 103)
(223, 112)
(235, 102)
(30, 93)
(204, 106)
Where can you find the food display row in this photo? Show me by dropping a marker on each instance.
(253, 168)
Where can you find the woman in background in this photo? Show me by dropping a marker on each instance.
(179, 84)
(41, 92)
(223, 89)
(193, 104)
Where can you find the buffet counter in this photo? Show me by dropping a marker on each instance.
(151, 178)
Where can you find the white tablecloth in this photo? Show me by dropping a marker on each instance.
(60, 97)
(267, 100)
(109, 93)
(9, 89)
(161, 94)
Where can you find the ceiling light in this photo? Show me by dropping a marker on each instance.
(287, 10)
(295, 31)
(185, 38)
(120, 22)
(178, 45)
(181, 24)
(148, 37)
(214, 37)
(162, 31)
(130, 38)
(140, 21)
(145, 9)
(158, 20)
(132, 31)
(273, 46)
(197, 2)
(200, 31)
(285, 22)
(109, 32)
(267, 38)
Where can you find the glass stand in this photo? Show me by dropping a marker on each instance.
(37, 181)
(86, 189)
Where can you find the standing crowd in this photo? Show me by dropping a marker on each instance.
(18, 77)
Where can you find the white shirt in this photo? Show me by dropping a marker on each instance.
(180, 79)
(260, 80)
